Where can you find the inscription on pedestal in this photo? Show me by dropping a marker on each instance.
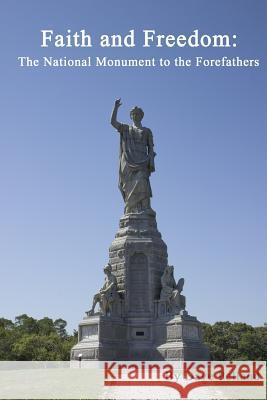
(138, 282)
(174, 332)
(175, 354)
(89, 332)
(141, 333)
(190, 332)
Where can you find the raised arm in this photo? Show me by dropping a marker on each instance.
(113, 119)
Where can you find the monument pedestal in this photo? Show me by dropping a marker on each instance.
(105, 338)
(139, 324)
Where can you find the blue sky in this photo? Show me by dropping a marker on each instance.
(60, 205)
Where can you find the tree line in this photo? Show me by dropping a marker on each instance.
(30, 339)
(236, 341)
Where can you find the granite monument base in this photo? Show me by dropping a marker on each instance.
(106, 339)
(142, 311)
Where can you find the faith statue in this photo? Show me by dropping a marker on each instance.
(136, 160)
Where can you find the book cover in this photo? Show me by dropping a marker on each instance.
(197, 69)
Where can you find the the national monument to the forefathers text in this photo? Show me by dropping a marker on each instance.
(142, 313)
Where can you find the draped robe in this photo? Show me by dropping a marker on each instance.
(136, 165)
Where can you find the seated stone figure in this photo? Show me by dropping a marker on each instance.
(171, 292)
(107, 294)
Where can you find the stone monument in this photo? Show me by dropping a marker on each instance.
(142, 312)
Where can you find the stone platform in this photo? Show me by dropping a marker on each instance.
(177, 338)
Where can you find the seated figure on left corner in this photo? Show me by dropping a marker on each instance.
(171, 291)
(107, 294)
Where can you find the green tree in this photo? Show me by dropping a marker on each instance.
(7, 338)
(237, 341)
(30, 339)
(26, 324)
(37, 348)
(46, 326)
(60, 326)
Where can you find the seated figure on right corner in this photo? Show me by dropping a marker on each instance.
(171, 292)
